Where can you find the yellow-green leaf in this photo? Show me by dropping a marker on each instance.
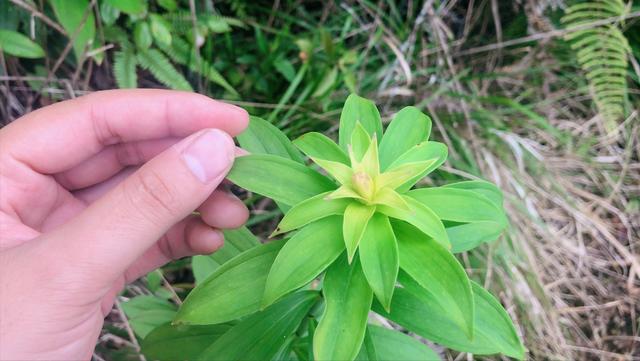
(358, 109)
(421, 217)
(317, 145)
(356, 217)
(408, 128)
(310, 210)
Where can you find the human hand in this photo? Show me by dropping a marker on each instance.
(96, 192)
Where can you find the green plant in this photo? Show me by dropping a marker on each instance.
(371, 235)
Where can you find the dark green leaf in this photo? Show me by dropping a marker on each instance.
(148, 312)
(435, 268)
(133, 7)
(262, 137)
(358, 109)
(408, 128)
(347, 301)
(71, 14)
(261, 336)
(278, 178)
(317, 145)
(233, 290)
(180, 342)
(303, 257)
(16, 44)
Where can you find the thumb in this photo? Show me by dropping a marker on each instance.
(118, 228)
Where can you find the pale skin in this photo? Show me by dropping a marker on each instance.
(96, 192)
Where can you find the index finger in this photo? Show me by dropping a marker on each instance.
(57, 137)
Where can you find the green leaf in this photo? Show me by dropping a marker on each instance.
(310, 210)
(408, 128)
(108, 14)
(347, 301)
(326, 83)
(421, 217)
(158, 64)
(487, 189)
(233, 290)
(339, 171)
(280, 179)
(317, 145)
(236, 241)
(494, 331)
(124, 68)
(160, 29)
(403, 173)
(142, 35)
(169, 5)
(16, 44)
(132, 7)
(180, 342)
(437, 270)
(260, 336)
(71, 14)
(467, 236)
(392, 345)
(262, 137)
(391, 198)
(422, 152)
(379, 257)
(358, 109)
(148, 312)
(459, 205)
(360, 142)
(356, 217)
(303, 257)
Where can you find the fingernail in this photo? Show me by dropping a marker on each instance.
(210, 155)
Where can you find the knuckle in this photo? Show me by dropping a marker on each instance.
(150, 192)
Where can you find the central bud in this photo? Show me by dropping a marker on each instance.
(363, 185)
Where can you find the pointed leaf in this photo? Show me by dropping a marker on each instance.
(278, 178)
(16, 44)
(347, 301)
(436, 269)
(369, 163)
(468, 236)
(317, 145)
(402, 174)
(262, 137)
(360, 141)
(339, 171)
(180, 342)
(356, 217)
(396, 346)
(408, 128)
(71, 15)
(303, 257)
(233, 290)
(310, 210)
(391, 198)
(493, 329)
(421, 217)
(236, 241)
(424, 151)
(358, 109)
(260, 336)
(145, 313)
(344, 192)
(379, 257)
(487, 189)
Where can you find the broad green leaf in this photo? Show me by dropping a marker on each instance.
(148, 312)
(468, 236)
(142, 35)
(262, 137)
(379, 257)
(16, 44)
(344, 192)
(319, 146)
(494, 331)
(391, 345)
(391, 198)
(133, 7)
(487, 189)
(70, 14)
(261, 336)
(408, 128)
(278, 178)
(303, 257)
(347, 301)
(421, 217)
(356, 217)
(233, 290)
(360, 142)
(236, 241)
(368, 349)
(422, 152)
(310, 210)
(339, 171)
(180, 342)
(358, 109)
(402, 174)
(436, 269)
(108, 14)
(160, 29)
(459, 205)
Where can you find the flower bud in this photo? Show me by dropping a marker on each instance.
(363, 184)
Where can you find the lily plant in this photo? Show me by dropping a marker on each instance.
(358, 236)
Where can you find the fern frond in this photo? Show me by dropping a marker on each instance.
(602, 53)
(124, 68)
(162, 69)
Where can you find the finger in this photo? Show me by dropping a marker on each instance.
(129, 219)
(111, 160)
(224, 210)
(187, 238)
(58, 137)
